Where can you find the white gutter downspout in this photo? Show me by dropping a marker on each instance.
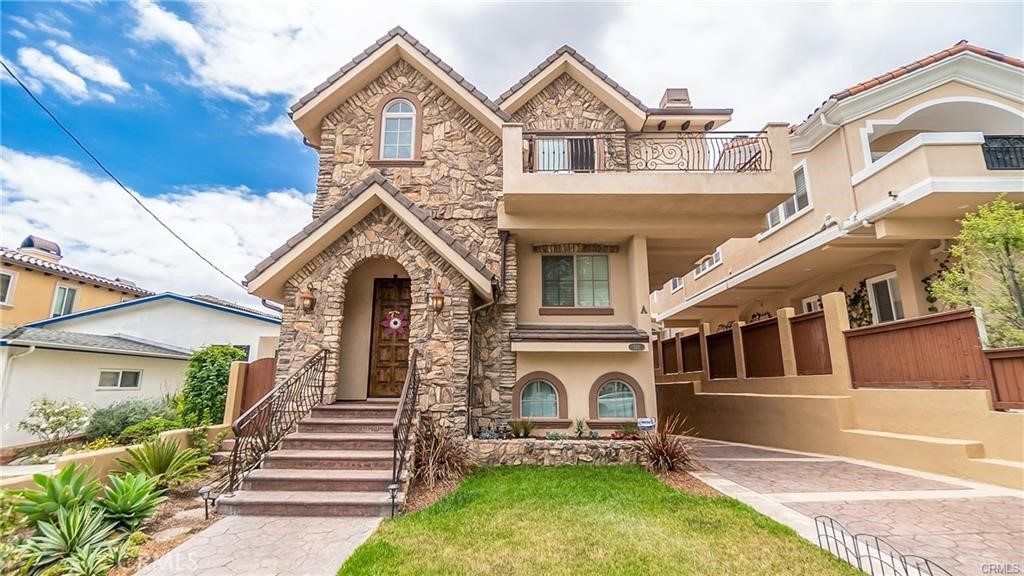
(7, 372)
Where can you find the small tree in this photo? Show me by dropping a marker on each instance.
(987, 270)
(53, 421)
(206, 384)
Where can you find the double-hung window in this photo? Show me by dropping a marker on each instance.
(708, 263)
(885, 299)
(676, 283)
(120, 379)
(794, 204)
(397, 124)
(7, 288)
(575, 281)
(566, 154)
(63, 300)
(811, 303)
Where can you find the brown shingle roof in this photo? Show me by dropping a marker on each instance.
(394, 33)
(961, 46)
(17, 258)
(576, 332)
(586, 64)
(351, 195)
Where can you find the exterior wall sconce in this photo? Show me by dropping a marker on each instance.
(307, 299)
(437, 300)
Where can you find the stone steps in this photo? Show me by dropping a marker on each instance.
(329, 459)
(347, 425)
(297, 480)
(306, 503)
(356, 410)
(337, 441)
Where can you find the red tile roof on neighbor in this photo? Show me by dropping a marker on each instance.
(959, 47)
(18, 258)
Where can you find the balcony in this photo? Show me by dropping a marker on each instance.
(1003, 152)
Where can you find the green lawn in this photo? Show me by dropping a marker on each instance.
(585, 520)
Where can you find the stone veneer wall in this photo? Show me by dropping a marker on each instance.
(553, 452)
(565, 105)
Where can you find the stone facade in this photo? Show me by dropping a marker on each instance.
(553, 452)
(565, 105)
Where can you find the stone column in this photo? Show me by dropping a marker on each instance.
(837, 320)
(786, 341)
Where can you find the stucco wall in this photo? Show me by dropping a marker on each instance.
(530, 276)
(64, 374)
(34, 293)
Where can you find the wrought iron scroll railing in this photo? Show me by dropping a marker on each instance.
(402, 427)
(1003, 152)
(262, 427)
(573, 152)
(871, 554)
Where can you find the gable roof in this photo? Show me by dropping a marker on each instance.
(18, 258)
(62, 340)
(268, 277)
(202, 301)
(861, 87)
(392, 46)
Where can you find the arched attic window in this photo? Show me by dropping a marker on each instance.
(398, 130)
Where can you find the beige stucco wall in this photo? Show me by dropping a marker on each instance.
(619, 286)
(34, 293)
(353, 368)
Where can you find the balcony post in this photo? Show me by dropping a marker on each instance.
(511, 153)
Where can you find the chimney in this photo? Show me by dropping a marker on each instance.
(676, 98)
(40, 248)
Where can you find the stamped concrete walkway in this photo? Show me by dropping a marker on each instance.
(966, 527)
(266, 546)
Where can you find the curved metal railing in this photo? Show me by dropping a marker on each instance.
(871, 554)
(401, 428)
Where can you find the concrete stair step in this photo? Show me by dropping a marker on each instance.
(337, 441)
(372, 425)
(356, 410)
(329, 459)
(220, 457)
(304, 503)
(318, 480)
(929, 453)
(1008, 473)
(227, 445)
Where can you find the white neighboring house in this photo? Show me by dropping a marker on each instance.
(95, 369)
(188, 322)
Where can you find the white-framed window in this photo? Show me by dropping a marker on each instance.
(566, 154)
(539, 400)
(811, 303)
(616, 399)
(8, 280)
(885, 299)
(63, 300)
(120, 379)
(579, 281)
(676, 284)
(708, 263)
(397, 125)
(796, 204)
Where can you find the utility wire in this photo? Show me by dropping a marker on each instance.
(114, 178)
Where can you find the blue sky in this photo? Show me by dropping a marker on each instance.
(186, 102)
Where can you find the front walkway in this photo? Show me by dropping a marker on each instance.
(266, 546)
(966, 527)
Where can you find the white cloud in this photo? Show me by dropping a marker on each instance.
(103, 231)
(282, 126)
(53, 74)
(90, 67)
(17, 34)
(34, 85)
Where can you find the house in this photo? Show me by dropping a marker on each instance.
(882, 172)
(183, 322)
(95, 369)
(34, 285)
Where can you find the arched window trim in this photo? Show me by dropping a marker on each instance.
(595, 390)
(517, 395)
(377, 158)
(558, 399)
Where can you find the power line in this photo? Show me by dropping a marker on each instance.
(114, 178)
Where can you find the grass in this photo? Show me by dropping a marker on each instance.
(585, 520)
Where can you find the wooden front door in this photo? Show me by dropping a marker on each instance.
(389, 345)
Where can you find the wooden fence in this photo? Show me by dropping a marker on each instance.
(721, 354)
(810, 344)
(259, 379)
(690, 347)
(762, 346)
(1007, 373)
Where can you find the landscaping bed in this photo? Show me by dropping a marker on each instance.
(585, 520)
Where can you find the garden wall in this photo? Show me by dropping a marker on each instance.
(552, 452)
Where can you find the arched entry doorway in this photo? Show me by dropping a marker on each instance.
(374, 351)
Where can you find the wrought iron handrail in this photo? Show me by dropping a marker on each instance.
(1003, 152)
(609, 151)
(871, 554)
(262, 427)
(401, 428)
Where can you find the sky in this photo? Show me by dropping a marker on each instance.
(186, 102)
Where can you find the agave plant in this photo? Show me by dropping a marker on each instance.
(69, 488)
(90, 561)
(164, 459)
(131, 498)
(74, 530)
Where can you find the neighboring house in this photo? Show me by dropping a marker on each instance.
(514, 243)
(184, 322)
(34, 285)
(95, 369)
(882, 172)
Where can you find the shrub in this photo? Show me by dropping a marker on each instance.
(580, 428)
(669, 450)
(163, 458)
(206, 384)
(54, 420)
(556, 436)
(100, 444)
(110, 421)
(438, 458)
(521, 428)
(130, 499)
(199, 440)
(11, 523)
(74, 530)
(147, 430)
(90, 561)
(70, 488)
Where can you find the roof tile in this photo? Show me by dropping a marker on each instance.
(18, 258)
